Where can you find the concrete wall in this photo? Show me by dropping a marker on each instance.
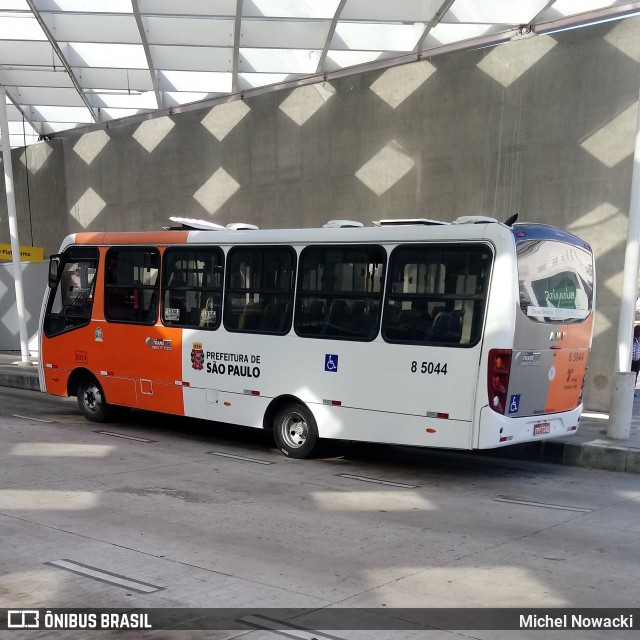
(542, 126)
(34, 281)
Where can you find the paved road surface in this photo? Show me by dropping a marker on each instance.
(178, 513)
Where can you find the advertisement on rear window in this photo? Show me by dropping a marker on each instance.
(556, 281)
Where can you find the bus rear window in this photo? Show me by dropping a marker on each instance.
(556, 281)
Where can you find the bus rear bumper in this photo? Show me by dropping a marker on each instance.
(498, 431)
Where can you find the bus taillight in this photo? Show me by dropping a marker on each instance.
(498, 378)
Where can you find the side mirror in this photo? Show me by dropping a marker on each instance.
(54, 271)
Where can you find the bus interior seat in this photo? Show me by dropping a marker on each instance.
(274, 316)
(250, 317)
(360, 318)
(337, 318)
(447, 326)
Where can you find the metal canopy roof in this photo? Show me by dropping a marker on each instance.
(72, 63)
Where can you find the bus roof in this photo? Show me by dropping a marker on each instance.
(470, 228)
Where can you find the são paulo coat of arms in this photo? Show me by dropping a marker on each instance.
(197, 356)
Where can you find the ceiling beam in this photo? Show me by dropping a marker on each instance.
(147, 53)
(26, 117)
(56, 47)
(332, 30)
(440, 13)
(237, 31)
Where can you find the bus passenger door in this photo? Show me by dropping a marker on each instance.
(142, 358)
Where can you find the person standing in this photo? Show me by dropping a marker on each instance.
(635, 352)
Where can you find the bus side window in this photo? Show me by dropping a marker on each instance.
(192, 287)
(131, 285)
(436, 294)
(339, 292)
(259, 291)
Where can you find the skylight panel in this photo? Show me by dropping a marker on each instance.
(253, 80)
(60, 114)
(85, 6)
(12, 111)
(192, 58)
(195, 81)
(405, 11)
(115, 114)
(189, 7)
(14, 5)
(130, 79)
(22, 133)
(279, 60)
(377, 36)
(177, 98)
(20, 27)
(34, 78)
(16, 128)
(190, 31)
(28, 53)
(54, 127)
(344, 59)
(20, 140)
(303, 34)
(123, 99)
(448, 33)
(567, 8)
(94, 54)
(291, 8)
(60, 96)
(93, 28)
(495, 11)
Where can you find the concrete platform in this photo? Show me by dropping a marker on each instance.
(589, 447)
(13, 373)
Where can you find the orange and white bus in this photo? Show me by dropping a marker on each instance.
(469, 335)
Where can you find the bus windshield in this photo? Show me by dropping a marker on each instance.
(556, 281)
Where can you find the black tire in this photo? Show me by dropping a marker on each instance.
(91, 401)
(295, 431)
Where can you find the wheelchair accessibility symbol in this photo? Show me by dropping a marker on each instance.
(514, 404)
(331, 362)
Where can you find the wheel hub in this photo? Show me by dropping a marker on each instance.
(295, 431)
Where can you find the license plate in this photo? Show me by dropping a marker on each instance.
(541, 428)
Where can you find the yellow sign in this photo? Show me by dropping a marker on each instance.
(27, 254)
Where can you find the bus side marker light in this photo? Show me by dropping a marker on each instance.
(251, 392)
(430, 430)
(106, 373)
(227, 404)
(573, 428)
(437, 414)
(51, 366)
(182, 383)
(333, 403)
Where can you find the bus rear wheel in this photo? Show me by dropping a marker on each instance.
(91, 401)
(295, 431)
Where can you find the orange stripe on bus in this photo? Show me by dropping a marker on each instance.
(132, 237)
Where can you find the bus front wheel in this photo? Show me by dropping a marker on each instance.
(295, 431)
(91, 401)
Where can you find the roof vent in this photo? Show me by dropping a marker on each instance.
(205, 225)
(473, 220)
(242, 226)
(193, 223)
(342, 224)
(407, 221)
